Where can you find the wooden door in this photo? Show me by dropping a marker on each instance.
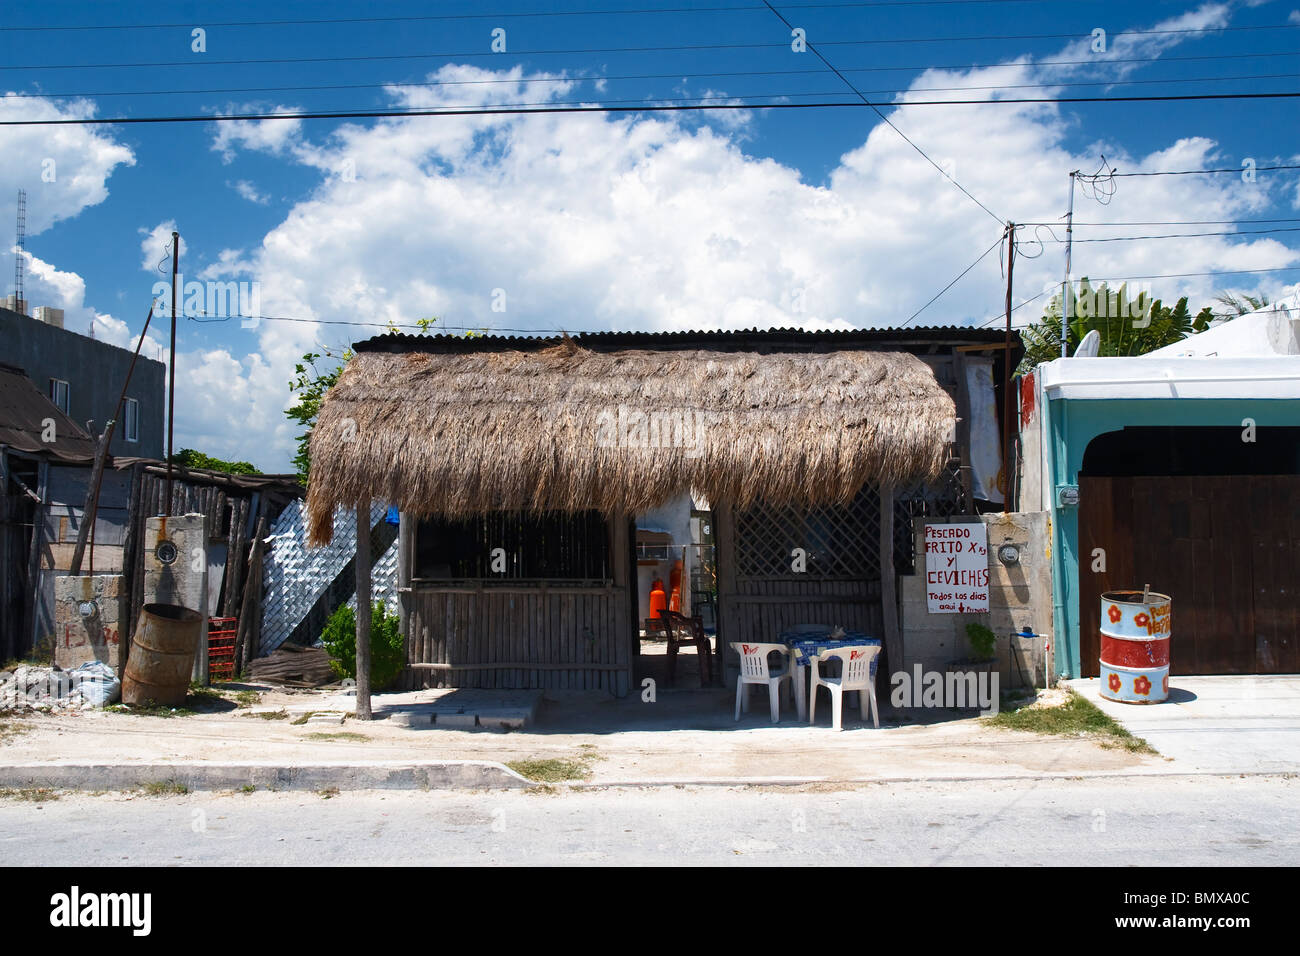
(1226, 548)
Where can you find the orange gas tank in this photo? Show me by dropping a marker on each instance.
(658, 599)
(675, 588)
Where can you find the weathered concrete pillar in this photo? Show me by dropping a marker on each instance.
(176, 571)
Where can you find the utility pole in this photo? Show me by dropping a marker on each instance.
(1065, 283)
(171, 371)
(97, 473)
(362, 570)
(1008, 452)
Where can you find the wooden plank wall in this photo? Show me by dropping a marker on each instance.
(1226, 548)
(552, 637)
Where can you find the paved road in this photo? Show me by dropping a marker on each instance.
(1167, 821)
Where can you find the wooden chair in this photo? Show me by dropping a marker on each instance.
(687, 630)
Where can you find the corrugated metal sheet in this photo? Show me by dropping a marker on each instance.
(738, 340)
(294, 575)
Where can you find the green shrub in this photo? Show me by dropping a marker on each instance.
(387, 654)
(982, 640)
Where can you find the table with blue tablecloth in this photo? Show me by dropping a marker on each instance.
(804, 645)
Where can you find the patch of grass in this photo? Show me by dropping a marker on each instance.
(557, 769)
(1077, 717)
(150, 709)
(340, 735)
(32, 794)
(327, 793)
(303, 718)
(10, 728)
(164, 788)
(280, 714)
(248, 698)
(247, 788)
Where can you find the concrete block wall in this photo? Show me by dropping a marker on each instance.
(90, 615)
(1019, 595)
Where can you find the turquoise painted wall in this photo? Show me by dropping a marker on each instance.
(1072, 424)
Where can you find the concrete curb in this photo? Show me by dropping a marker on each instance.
(468, 775)
(1081, 776)
(358, 775)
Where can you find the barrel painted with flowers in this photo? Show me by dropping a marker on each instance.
(1135, 633)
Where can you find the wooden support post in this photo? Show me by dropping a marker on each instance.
(34, 557)
(362, 564)
(8, 516)
(251, 605)
(963, 431)
(888, 585)
(728, 619)
(405, 559)
(624, 576)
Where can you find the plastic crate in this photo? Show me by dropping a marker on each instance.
(222, 632)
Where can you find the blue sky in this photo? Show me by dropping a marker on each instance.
(821, 218)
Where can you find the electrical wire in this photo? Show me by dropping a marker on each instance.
(695, 76)
(512, 111)
(677, 76)
(1163, 222)
(512, 15)
(996, 244)
(1184, 235)
(478, 54)
(1198, 172)
(830, 66)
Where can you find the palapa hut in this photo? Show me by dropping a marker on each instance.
(517, 465)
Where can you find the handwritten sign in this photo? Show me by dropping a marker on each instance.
(957, 568)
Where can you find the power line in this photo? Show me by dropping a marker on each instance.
(510, 111)
(509, 15)
(435, 84)
(468, 54)
(1197, 172)
(1179, 235)
(1166, 222)
(691, 76)
(830, 66)
(997, 242)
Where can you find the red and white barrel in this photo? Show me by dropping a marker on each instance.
(1135, 633)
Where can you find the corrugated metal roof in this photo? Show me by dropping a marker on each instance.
(743, 340)
(24, 411)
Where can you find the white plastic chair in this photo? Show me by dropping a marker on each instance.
(754, 669)
(855, 676)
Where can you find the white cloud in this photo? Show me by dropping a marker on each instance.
(47, 285)
(635, 222)
(250, 192)
(64, 169)
(155, 248)
(274, 136)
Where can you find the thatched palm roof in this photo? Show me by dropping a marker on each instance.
(566, 429)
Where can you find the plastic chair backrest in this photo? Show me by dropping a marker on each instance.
(753, 658)
(857, 664)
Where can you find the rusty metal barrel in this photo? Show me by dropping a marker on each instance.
(161, 660)
(1135, 630)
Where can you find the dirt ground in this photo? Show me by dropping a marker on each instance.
(685, 735)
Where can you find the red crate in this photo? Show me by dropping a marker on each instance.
(221, 647)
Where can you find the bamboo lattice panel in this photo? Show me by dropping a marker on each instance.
(840, 541)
